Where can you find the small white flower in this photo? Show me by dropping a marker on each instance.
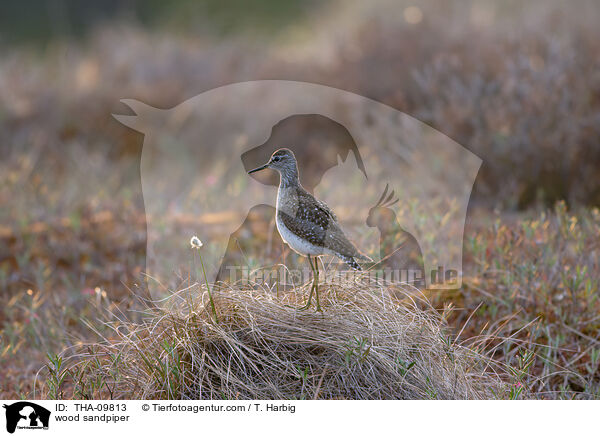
(195, 242)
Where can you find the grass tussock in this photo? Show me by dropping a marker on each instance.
(365, 345)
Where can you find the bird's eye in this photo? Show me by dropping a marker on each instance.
(276, 159)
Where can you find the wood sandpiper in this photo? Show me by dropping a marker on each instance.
(306, 224)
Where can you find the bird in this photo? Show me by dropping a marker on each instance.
(307, 225)
(400, 252)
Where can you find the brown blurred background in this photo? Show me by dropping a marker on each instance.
(517, 83)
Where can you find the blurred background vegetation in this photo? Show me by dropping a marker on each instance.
(39, 21)
(517, 83)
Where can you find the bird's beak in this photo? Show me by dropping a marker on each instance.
(259, 168)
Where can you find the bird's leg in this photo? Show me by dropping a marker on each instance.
(316, 283)
(312, 288)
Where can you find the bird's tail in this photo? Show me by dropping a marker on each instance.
(351, 262)
(363, 257)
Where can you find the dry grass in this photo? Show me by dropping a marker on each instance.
(366, 345)
(537, 280)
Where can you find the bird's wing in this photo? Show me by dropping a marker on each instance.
(337, 241)
(310, 202)
(306, 229)
(321, 223)
(326, 209)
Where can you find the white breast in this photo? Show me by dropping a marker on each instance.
(299, 245)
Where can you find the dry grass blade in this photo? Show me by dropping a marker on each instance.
(367, 345)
